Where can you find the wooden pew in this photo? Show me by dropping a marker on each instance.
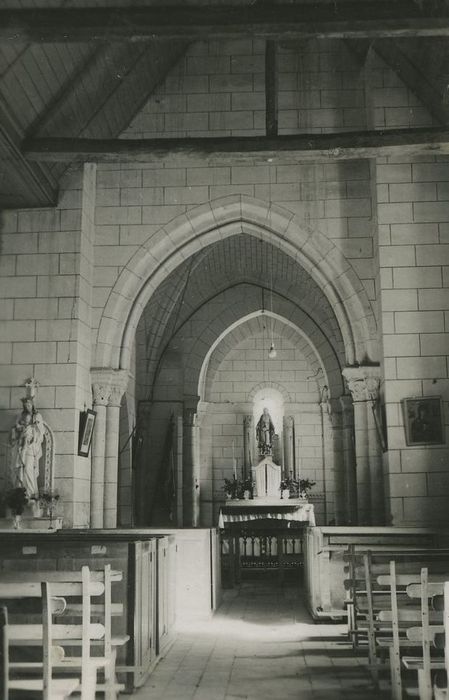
(101, 581)
(380, 610)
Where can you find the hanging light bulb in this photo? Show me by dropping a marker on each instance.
(272, 354)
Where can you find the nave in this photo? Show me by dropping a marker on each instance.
(261, 643)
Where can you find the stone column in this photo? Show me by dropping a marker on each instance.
(327, 436)
(363, 384)
(349, 463)
(191, 464)
(289, 447)
(248, 430)
(101, 393)
(119, 381)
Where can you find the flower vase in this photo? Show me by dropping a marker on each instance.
(17, 521)
(246, 494)
(285, 493)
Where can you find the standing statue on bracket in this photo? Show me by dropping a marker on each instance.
(265, 433)
(26, 439)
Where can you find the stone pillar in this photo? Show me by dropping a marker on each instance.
(349, 464)
(119, 381)
(327, 432)
(363, 383)
(101, 393)
(337, 460)
(289, 447)
(191, 464)
(248, 431)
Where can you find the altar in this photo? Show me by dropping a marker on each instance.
(290, 509)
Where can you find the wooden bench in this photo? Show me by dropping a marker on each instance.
(102, 611)
(380, 611)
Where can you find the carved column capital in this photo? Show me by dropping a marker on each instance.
(362, 382)
(289, 422)
(248, 422)
(190, 410)
(119, 382)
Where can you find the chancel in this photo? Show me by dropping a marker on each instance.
(224, 374)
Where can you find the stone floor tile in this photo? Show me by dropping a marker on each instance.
(261, 644)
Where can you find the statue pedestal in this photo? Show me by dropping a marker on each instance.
(267, 477)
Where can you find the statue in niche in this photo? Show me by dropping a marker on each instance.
(26, 439)
(265, 433)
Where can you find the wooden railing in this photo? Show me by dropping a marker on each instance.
(260, 549)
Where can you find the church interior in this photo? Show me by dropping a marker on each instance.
(224, 349)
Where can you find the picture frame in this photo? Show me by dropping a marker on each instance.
(423, 420)
(86, 429)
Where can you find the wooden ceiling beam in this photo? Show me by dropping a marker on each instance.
(271, 89)
(234, 150)
(339, 20)
(413, 77)
(39, 188)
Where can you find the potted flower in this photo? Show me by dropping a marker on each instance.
(247, 486)
(231, 487)
(289, 487)
(48, 501)
(239, 488)
(304, 486)
(16, 499)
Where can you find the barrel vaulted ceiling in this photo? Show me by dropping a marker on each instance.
(76, 82)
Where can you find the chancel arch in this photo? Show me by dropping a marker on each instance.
(230, 264)
(201, 226)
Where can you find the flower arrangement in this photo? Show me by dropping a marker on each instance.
(48, 501)
(296, 487)
(16, 499)
(235, 488)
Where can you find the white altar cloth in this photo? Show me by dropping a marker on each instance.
(244, 511)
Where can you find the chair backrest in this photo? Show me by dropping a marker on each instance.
(4, 651)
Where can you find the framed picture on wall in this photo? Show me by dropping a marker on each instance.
(86, 429)
(423, 420)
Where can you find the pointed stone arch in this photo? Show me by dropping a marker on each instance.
(203, 225)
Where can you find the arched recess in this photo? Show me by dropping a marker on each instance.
(331, 371)
(203, 225)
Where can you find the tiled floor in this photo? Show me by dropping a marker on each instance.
(261, 644)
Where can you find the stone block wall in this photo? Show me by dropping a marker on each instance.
(414, 257)
(47, 268)
(59, 266)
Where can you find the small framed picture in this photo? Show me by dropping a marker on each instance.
(423, 420)
(86, 429)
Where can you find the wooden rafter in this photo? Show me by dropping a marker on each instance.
(280, 149)
(121, 78)
(371, 19)
(271, 89)
(414, 77)
(39, 188)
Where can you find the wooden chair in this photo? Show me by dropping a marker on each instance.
(101, 585)
(380, 610)
(43, 634)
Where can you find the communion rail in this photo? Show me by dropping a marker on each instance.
(259, 547)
